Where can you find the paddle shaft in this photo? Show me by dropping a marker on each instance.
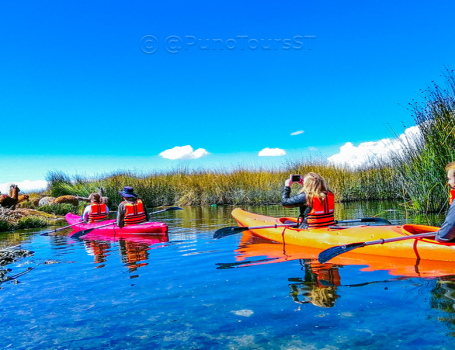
(64, 227)
(156, 212)
(396, 239)
(331, 253)
(59, 229)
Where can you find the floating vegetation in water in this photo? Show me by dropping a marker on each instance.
(9, 255)
(23, 218)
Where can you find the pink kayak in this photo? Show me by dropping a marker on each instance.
(147, 228)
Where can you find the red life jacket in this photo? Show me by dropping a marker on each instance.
(452, 195)
(99, 213)
(322, 213)
(135, 213)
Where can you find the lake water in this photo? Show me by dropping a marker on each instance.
(193, 292)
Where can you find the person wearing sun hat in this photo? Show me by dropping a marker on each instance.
(132, 210)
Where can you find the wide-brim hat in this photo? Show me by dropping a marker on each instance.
(128, 192)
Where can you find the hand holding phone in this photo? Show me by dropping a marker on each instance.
(296, 178)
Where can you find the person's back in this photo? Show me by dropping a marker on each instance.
(96, 211)
(315, 201)
(132, 210)
(322, 212)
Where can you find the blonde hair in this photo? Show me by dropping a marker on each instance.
(314, 185)
(450, 166)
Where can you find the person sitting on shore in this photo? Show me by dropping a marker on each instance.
(132, 210)
(96, 211)
(314, 200)
(447, 232)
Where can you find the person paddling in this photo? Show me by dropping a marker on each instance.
(132, 210)
(96, 211)
(447, 232)
(315, 201)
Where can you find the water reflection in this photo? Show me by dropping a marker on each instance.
(182, 301)
(443, 300)
(134, 248)
(133, 253)
(319, 285)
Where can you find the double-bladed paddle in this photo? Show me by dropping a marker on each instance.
(376, 220)
(227, 231)
(330, 253)
(84, 232)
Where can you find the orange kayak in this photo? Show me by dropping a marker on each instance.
(324, 238)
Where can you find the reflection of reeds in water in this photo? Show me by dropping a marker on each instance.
(443, 299)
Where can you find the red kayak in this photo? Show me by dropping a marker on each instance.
(146, 228)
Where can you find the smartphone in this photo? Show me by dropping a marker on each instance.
(296, 178)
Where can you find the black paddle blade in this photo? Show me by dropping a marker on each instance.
(227, 231)
(174, 208)
(330, 253)
(79, 234)
(377, 220)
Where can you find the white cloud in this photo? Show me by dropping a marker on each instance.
(24, 186)
(297, 132)
(183, 152)
(313, 149)
(272, 152)
(367, 152)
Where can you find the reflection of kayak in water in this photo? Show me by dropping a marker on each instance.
(324, 238)
(255, 251)
(134, 249)
(149, 228)
(130, 237)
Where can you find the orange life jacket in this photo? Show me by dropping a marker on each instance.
(452, 195)
(322, 213)
(135, 213)
(99, 213)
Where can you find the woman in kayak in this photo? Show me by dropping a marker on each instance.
(132, 210)
(447, 232)
(314, 200)
(96, 211)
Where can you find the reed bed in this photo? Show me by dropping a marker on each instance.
(238, 186)
(419, 167)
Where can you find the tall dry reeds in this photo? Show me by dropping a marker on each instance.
(234, 186)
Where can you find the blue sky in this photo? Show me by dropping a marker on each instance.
(78, 93)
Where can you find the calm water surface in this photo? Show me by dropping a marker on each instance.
(192, 292)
